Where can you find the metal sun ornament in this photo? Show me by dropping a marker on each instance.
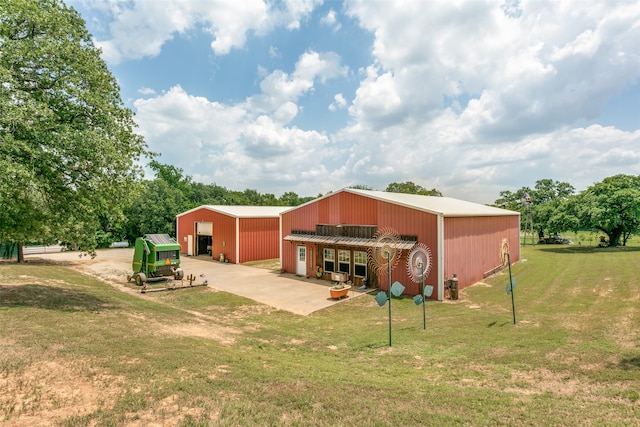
(385, 255)
(385, 252)
(504, 251)
(419, 262)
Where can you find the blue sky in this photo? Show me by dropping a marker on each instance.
(469, 97)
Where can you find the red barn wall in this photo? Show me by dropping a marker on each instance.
(224, 232)
(186, 226)
(472, 246)
(259, 239)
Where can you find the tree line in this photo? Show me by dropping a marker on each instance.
(171, 192)
(611, 207)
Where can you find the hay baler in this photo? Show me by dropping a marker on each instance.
(156, 257)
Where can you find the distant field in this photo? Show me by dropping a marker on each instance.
(75, 351)
(580, 238)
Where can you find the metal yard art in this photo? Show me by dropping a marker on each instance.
(509, 289)
(383, 257)
(418, 266)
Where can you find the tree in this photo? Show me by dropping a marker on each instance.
(361, 187)
(155, 210)
(67, 147)
(411, 188)
(611, 207)
(172, 176)
(546, 198)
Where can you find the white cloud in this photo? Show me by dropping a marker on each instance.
(237, 145)
(331, 20)
(274, 52)
(280, 88)
(536, 67)
(339, 102)
(146, 91)
(139, 28)
(180, 127)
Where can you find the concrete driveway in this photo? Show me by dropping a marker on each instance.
(283, 291)
(287, 292)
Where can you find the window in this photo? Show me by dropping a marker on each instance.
(329, 259)
(344, 261)
(302, 253)
(360, 263)
(162, 255)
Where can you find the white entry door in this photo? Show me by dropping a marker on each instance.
(190, 244)
(301, 264)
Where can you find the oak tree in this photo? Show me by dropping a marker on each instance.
(68, 150)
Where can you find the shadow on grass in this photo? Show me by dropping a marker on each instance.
(495, 323)
(50, 298)
(586, 249)
(627, 363)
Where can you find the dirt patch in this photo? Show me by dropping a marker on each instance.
(223, 335)
(48, 393)
(45, 388)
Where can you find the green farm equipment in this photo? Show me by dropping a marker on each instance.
(156, 257)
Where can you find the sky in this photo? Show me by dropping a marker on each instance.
(468, 97)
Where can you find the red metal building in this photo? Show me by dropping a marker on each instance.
(334, 233)
(239, 233)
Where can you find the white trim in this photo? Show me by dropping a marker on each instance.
(178, 234)
(237, 240)
(280, 239)
(440, 226)
(241, 211)
(519, 242)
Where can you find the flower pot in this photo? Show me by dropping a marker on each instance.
(338, 292)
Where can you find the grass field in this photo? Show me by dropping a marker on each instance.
(75, 351)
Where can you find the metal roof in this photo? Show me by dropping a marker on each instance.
(343, 241)
(243, 211)
(443, 206)
(160, 239)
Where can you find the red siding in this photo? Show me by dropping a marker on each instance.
(472, 246)
(186, 226)
(258, 238)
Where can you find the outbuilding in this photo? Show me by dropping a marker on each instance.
(235, 234)
(339, 233)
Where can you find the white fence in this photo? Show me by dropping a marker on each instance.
(30, 250)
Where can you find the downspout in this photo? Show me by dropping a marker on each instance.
(440, 257)
(280, 239)
(178, 234)
(237, 240)
(519, 242)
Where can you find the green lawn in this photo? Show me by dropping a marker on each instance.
(75, 351)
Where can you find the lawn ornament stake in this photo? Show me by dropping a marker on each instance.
(506, 258)
(384, 255)
(418, 266)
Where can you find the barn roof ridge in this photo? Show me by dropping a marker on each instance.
(242, 211)
(444, 206)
